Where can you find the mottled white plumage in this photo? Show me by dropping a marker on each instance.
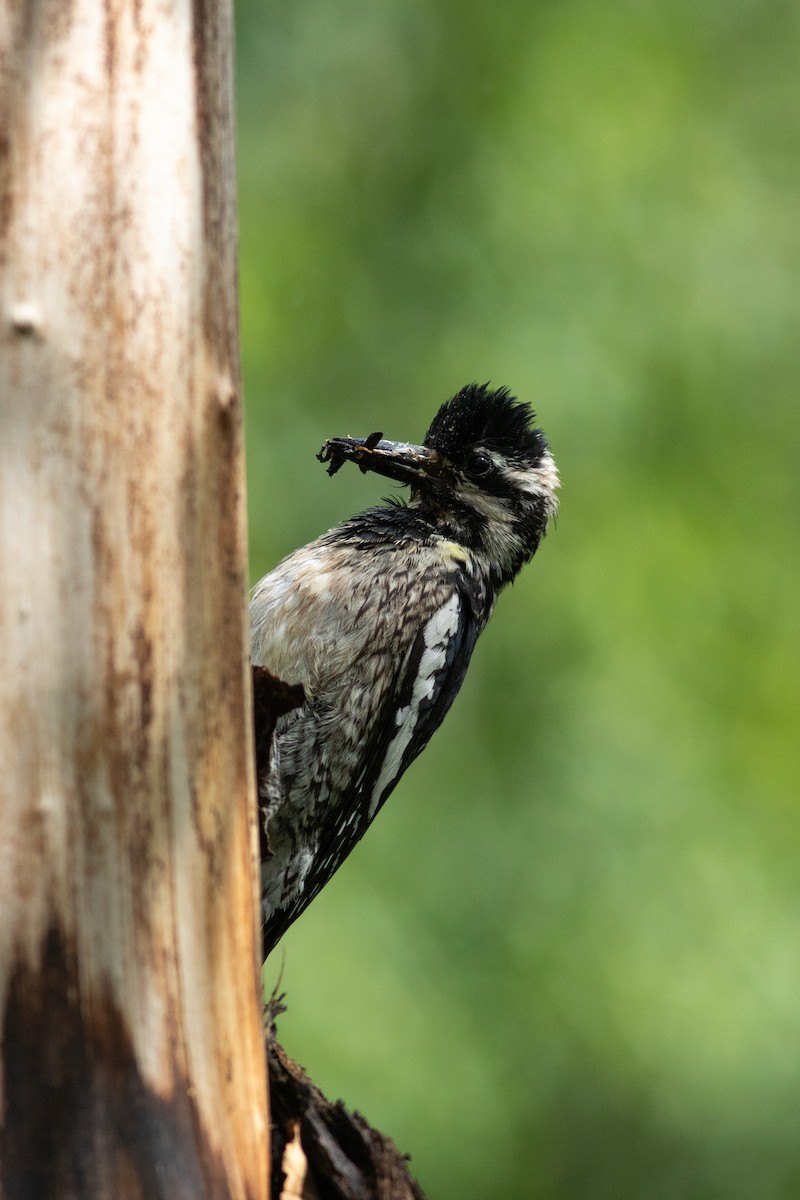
(377, 619)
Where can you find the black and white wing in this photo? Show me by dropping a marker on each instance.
(426, 687)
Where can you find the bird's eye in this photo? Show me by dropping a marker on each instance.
(479, 463)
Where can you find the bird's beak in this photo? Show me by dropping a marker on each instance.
(401, 461)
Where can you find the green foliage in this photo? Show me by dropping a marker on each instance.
(564, 962)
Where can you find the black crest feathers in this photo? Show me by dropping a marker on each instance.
(495, 420)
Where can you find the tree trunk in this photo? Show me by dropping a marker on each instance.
(132, 1060)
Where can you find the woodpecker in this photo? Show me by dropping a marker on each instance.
(377, 620)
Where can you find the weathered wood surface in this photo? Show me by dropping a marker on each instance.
(132, 1059)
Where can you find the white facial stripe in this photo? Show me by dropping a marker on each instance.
(536, 481)
(436, 634)
(494, 508)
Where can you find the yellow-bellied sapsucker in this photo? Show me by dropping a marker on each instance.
(378, 618)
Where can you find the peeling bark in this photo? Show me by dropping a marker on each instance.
(321, 1151)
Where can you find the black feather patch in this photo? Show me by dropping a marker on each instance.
(492, 419)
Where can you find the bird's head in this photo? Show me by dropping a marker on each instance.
(484, 475)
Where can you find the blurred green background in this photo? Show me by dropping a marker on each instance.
(565, 962)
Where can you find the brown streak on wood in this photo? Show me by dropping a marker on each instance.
(128, 854)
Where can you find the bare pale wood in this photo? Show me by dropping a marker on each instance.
(132, 1058)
